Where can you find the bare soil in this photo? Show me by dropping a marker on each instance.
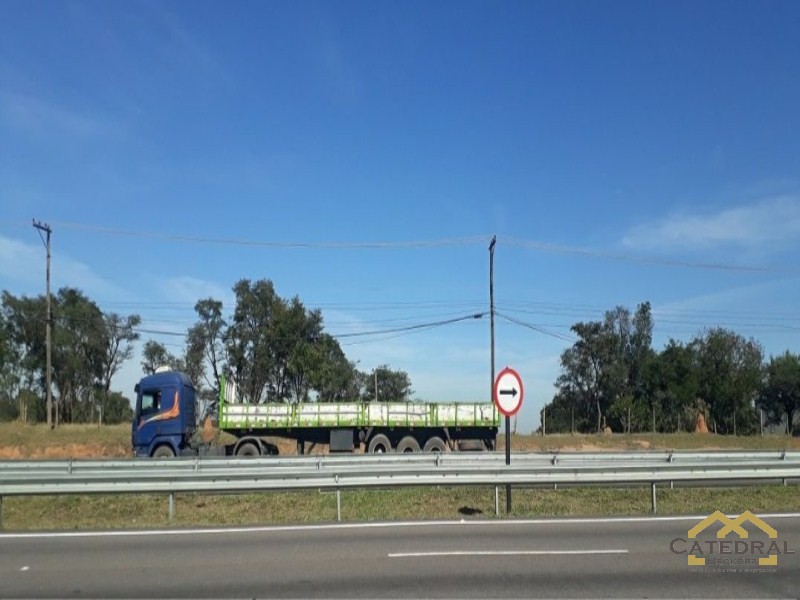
(20, 441)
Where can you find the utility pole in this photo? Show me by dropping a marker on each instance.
(491, 387)
(46, 228)
(491, 311)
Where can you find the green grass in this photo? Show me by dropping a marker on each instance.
(133, 512)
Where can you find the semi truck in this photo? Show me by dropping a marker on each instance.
(165, 423)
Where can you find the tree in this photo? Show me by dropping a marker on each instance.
(780, 397)
(249, 341)
(154, 355)
(10, 375)
(297, 332)
(270, 344)
(604, 371)
(78, 354)
(193, 361)
(119, 337)
(118, 409)
(590, 368)
(392, 385)
(568, 413)
(729, 376)
(25, 321)
(672, 385)
(334, 378)
(206, 343)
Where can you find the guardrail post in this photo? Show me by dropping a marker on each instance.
(171, 507)
(783, 457)
(653, 486)
(671, 459)
(1, 513)
(338, 505)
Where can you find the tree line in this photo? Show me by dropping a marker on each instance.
(88, 348)
(276, 349)
(611, 377)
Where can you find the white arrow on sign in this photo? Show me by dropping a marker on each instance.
(508, 392)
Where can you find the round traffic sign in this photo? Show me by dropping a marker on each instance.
(508, 392)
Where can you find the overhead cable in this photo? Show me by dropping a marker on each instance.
(460, 241)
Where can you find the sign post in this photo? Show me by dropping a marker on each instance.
(508, 393)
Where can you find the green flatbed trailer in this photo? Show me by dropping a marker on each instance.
(346, 426)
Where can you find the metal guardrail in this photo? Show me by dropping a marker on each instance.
(324, 461)
(337, 472)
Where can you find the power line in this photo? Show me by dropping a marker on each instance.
(460, 241)
(409, 328)
(638, 258)
(418, 326)
(433, 243)
(537, 328)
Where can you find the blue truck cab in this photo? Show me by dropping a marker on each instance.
(164, 419)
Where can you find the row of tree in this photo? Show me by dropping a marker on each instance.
(276, 349)
(88, 348)
(612, 377)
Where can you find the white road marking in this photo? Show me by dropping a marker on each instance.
(347, 526)
(502, 553)
(25, 568)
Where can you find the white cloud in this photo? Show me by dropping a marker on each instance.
(767, 222)
(24, 265)
(192, 289)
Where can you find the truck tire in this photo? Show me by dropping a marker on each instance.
(407, 444)
(163, 451)
(379, 444)
(248, 450)
(434, 444)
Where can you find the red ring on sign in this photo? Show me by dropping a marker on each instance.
(496, 395)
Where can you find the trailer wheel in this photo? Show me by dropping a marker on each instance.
(163, 451)
(407, 444)
(247, 450)
(379, 444)
(435, 444)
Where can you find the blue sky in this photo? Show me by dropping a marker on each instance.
(620, 151)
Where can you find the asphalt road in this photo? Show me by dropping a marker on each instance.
(475, 559)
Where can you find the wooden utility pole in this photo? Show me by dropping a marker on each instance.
(491, 394)
(491, 312)
(46, 228)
